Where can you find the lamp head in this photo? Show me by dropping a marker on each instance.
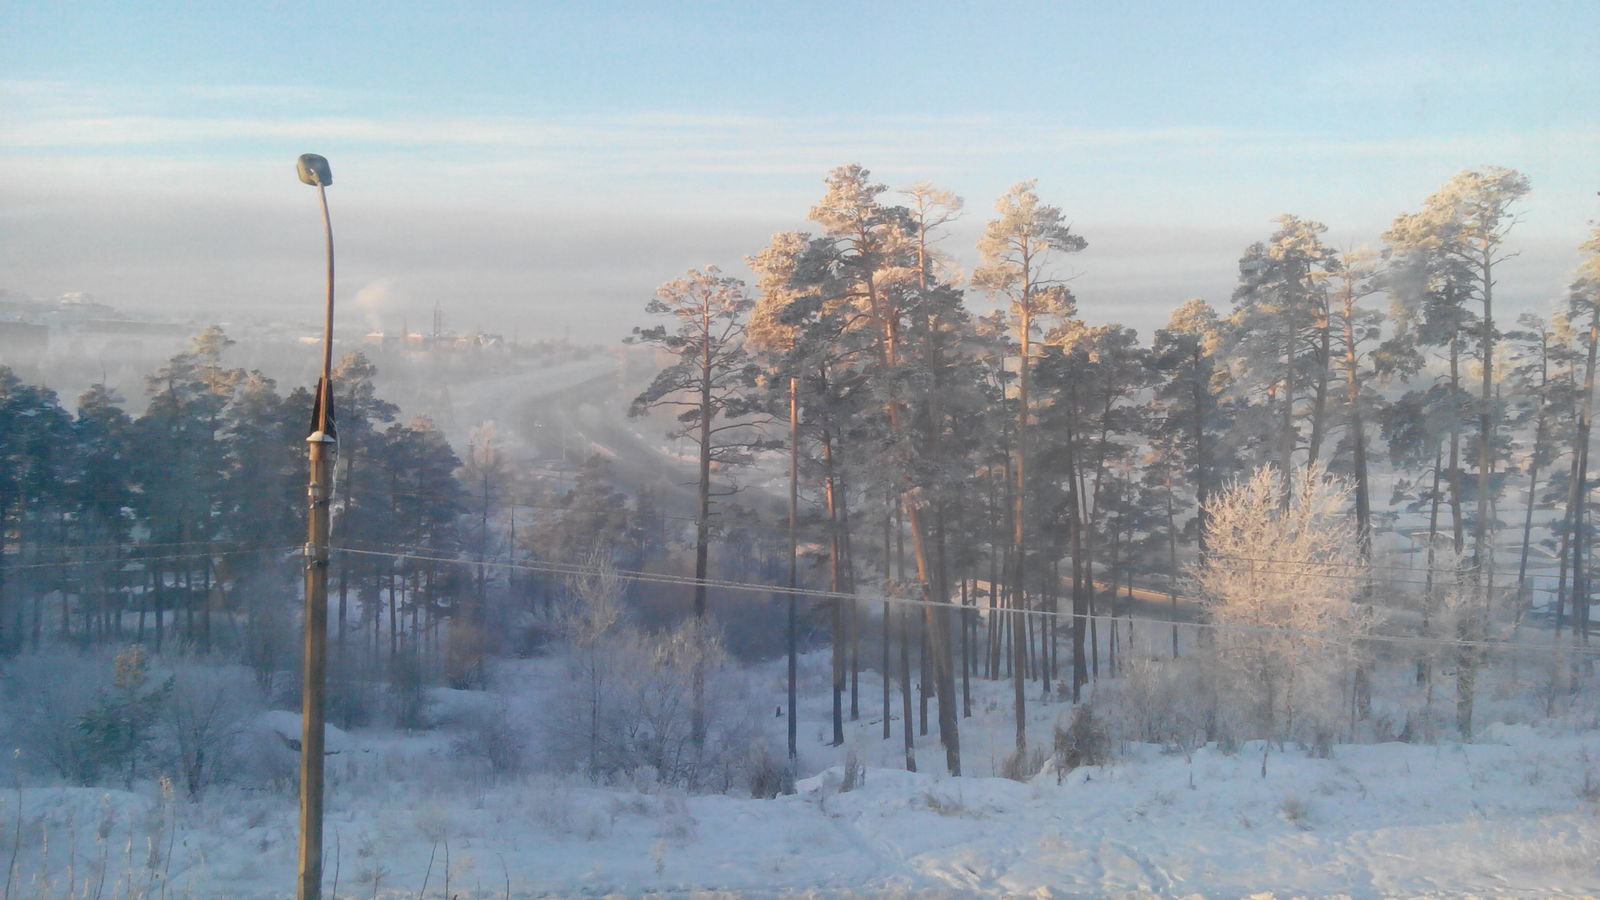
(313, 169)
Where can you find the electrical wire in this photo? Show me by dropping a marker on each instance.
(82, 563)
(546, 567)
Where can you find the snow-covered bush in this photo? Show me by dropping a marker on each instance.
(769, 777)
(628, 702)
(1166, 702)
(46, 695)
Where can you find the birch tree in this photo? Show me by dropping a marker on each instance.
(1278, 581)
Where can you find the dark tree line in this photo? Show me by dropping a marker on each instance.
(163, 526)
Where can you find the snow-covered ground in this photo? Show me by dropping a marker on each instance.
(1515, 813)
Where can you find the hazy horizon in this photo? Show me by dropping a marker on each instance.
(541, 171)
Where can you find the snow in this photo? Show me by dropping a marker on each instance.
(1515, 814)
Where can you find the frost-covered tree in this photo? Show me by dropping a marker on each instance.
(1543, 379)
(361, 512)
(1280, 582)
(1092, 377)
(1193, 416)
(36, 467)
(868, 263)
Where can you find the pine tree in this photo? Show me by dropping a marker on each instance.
(1283, 336)
(1194, 413)
(1458, 240)
(871, 258)
(709, 382)
(1583, 310)
(1018, 248)
(102, 500)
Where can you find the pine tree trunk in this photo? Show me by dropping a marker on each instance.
(836, 585)
(966, 651)
(1456, 523)
(1019, 536)
(1202, 454)
(848, 580)
(702, 528)
(1540, 438)
(888, 622)
(1319, 403)
(1287, 437)
(1577, 498)
(1482, 549)
(793, 625)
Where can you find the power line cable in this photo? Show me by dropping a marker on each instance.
(83, 563)
(752, 587)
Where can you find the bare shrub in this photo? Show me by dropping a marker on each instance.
(854, 774)
(1023, 765)
(950, 807)
(269, 642)
(1321, 745)
(203, 720)
(497, 739)
(1296, 810)
(407, 693)
(674, 822)
(355, 688)
(769, 778)
(464, 654)
(628, 698)
(551, 803)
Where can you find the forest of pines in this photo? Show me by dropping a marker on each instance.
(986, 487)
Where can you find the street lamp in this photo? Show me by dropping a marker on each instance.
(313, 170)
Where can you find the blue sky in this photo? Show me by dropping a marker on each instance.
(530, 165)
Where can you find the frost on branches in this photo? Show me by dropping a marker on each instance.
(1280, 580)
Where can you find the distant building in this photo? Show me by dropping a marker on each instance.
(79, 305)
